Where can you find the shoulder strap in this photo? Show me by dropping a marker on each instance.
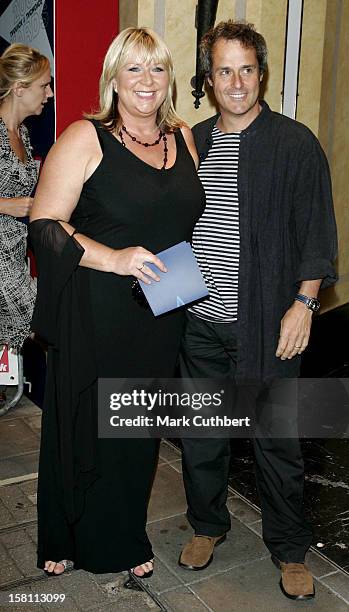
(180, 141)
(99, 131)
(179, 137)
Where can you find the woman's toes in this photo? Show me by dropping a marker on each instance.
(49, 566)
(145, 568)
(53, 567)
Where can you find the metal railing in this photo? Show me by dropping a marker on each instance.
(11, 403)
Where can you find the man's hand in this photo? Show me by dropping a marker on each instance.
(295, 331)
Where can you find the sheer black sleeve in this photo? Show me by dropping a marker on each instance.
(57, 255)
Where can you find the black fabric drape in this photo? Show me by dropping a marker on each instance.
(61, 317)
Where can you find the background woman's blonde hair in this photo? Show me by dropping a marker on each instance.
(149, 47)
(20, 63)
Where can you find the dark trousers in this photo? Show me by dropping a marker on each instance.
(209, 350)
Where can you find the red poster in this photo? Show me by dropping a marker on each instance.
(83, 32)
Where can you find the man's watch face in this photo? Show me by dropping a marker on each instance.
(313, 304)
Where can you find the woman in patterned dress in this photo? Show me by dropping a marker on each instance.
(24, 89)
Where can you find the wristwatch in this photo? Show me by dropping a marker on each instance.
(312, 303)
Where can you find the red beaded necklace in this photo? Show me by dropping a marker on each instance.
(162, 136)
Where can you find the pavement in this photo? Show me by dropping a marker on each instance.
(241, 577)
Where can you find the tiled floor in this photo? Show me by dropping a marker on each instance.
(326, 490)
(241, 578)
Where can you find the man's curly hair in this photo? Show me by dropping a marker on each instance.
(245, 33)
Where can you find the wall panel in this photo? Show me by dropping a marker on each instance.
(83, 34)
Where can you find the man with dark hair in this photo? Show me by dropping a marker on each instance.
(265, 244)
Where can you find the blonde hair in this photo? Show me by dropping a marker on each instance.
(20, 63)
(150, 48)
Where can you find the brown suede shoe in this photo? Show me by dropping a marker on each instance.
(296, 581)
(198, 553)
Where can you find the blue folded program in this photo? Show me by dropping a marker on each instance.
(181, 284)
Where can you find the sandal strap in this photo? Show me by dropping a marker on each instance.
(67, 564)
(140, 564)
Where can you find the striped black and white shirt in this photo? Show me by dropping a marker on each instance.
(216, 239)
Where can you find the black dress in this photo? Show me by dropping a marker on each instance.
(93, 493)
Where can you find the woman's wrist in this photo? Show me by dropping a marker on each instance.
(110, 263)
(5, 206)
(96, 255)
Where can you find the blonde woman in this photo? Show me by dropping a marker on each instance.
(24, 90)
(108, 200)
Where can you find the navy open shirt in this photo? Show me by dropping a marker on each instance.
(287, 232)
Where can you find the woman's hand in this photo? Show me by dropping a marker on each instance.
(16, 207)
(133, 262)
